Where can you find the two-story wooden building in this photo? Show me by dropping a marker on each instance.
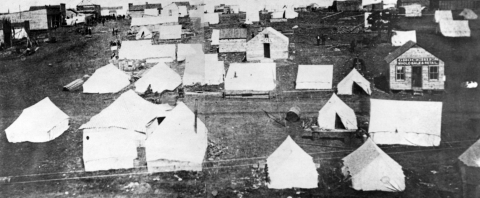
(87, 7)
(414, 68)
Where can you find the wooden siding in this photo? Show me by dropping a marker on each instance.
(278, 46)
(233, 45)
(406, 84)
(458, 5)
(38, 19)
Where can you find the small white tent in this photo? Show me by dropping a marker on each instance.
(335, 107)
(372, 169)
(214, 70)
(106, 79)
(144, 49)
(176, 143)
(40, 122)
(111, 138)
(20, 33)
(211, 18)
(314, 77)
(413, 10)
(252, 15)
(170, 32)
(471, 156)
(399, 38)
(289, 166)
(251, 77)
(160, 78)
(346, 85)
(215, 37)
(391, 122)
(443, 15)
(457, 28)
(144, 33)
(468, 14)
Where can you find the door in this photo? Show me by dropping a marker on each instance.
(417, 77)
(266, 50)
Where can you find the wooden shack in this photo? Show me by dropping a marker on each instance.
(269, 43)
(138, 10)
(40, 17)
(87, 7)
(414, 68)
(233, 40)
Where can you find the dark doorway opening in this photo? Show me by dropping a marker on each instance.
(266, 50)
(357, 90)
(417, 77)
(339, 123)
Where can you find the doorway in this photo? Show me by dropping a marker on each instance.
(417, 77)
(266, 50)
(339, 123)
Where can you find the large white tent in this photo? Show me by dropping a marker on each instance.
(144, 50)
(40, 122)
(144, 33)
(194, 69)
(289, 166)
(335, 107)
(211, 18)
(106, 79)
(177, 143)
(214, 70)
(314, 77)
(454, 28)
(345, 87)
(215, 37)
(159, 78)
(251, 77)
(443, 15)
(391, 122)
(111, 138)
(187, 50)
(399, 38)
(372, 169)
(170, 32)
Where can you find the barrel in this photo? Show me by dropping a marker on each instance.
(293, 115)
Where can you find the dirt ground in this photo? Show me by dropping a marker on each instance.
(55, 169)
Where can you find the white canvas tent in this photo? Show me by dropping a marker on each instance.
(170, 32)
(251, 76)
(41, 122)
(451, 28)
(365, 17)
(215, 37)
(76, 20)
(286, 13)
(334, 108)
(391, 122)
(289, 166)
(471, 156)
(443, 15)
(399, 38)
(176, 143)
(413, 10)
(159, 78)
(186, 50)
(106, 79)
(468, 14)
(151, 12)
(20, 33)
(345, 86)
(111, 138)
(214, 70)
(370, 2)
(372, 169)
(182, 11)
(144, 33)
(252, 15)
(194, 70)
(314, 77)
(105, 12)
(144, 50)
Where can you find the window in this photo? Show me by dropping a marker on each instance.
(266, 36)
(433, 72)
(400, 73)
(170, 13)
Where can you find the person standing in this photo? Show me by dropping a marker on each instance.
(113, 32)
(318, 39)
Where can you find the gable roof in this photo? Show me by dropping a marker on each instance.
(290, 166)
(132, 7)
(233, 33)
(335, 106)
(182, 3)
(129, 111)
(471, 157)
(314, 77)
(40, 122)
(106, 79)
(399, 51)
(454, 28)
(160, 78)
(176, 138)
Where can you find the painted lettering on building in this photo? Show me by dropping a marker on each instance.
(417, 61)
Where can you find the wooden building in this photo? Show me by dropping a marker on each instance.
(233, 40)
(138, 10)
(86, 7)
(40, 17)
(348, 5)
(171, 10)
(458, 4)
(425, 3)
(413, 68)
(269, 43)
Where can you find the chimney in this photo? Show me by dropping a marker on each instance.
(130, 5)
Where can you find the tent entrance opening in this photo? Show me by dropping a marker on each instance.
(266, 50)
(417, 77)
(338, 122)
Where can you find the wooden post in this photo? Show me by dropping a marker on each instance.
(196, 114)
